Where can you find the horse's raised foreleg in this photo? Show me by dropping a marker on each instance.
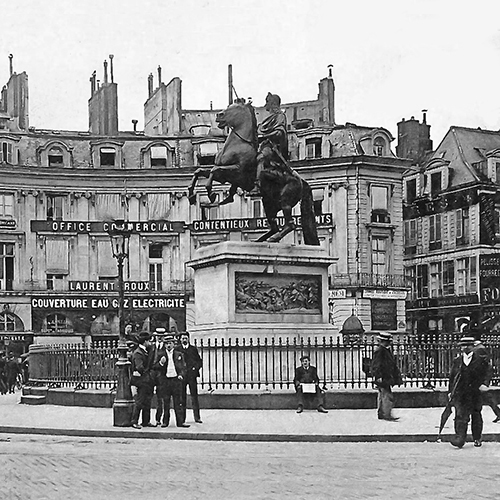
(223, 174)
(230, 196)
(200, 172)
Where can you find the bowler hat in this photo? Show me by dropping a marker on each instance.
(385, 336)
(467, 341)
(306, 356)
(143, 336)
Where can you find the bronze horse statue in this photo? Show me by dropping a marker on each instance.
(236, 163)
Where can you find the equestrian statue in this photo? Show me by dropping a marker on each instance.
(255, 159)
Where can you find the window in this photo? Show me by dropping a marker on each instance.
(462, 225)
(55, 207)
(497, 222)
(435, 232)
(435, 183)
(422, 281)
(6, 152)
(379, 255)
(209, 210)
(378, 146)
(6, 266)
(257, 209)
(55, 282)
(466, 276)
(208, 151)
(158, 156)
(497, 172)
(410, 275)
(380, 204)
(155, 266)
(107, 157)
(6, 205)
(58, 323)
(7, 322)
(55, 157)
(411, 190)
(318, 197)
(448, 277)
(410, 233)
(313, 147)
(436, 284)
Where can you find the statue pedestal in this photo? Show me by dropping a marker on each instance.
(261, 290)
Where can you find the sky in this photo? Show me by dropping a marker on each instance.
(391, 58)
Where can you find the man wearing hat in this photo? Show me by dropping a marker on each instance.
(171, 371)
(144, 381)
(470, 376)
(307, 374)
(386, 374)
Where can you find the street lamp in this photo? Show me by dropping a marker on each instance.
(123, 403)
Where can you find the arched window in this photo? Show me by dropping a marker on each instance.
(7, 322)
(55, 157)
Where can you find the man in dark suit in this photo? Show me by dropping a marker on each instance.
(171, 371)
(385, 372)
(307, 374)
(143, 379)
(193, 366)
(469, 378)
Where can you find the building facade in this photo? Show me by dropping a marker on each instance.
(452, 235)
(62, 191)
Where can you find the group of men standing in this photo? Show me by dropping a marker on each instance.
(10, 368)
(170, 365)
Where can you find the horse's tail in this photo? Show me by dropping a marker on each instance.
(307, 215)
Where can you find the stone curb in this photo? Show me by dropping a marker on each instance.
(199, 436)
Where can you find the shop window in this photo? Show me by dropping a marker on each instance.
(158, 156)
(58, 323)
(6, 205)
(107, 157)
(313, 148)
(55, 157)
(7, 322)
(55, 207)
(6, 266)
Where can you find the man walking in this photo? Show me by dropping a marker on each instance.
(469, 378)
(307, 374)
(143, 379)
(193, 366)
(171, 371)
(386, 374)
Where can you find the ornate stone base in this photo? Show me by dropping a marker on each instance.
(261, 290)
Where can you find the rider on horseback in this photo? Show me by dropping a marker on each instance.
(272, 159)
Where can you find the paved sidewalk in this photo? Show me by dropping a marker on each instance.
(415, 425)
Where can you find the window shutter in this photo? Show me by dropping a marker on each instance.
(10, 149)
(57, 256)
(106, 262)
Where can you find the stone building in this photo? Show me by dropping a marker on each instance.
(452, 235)
(60, 192)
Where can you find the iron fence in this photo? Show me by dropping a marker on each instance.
(260, 364)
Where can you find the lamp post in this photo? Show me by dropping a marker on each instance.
(123, 403)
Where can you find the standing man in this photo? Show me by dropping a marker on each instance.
(386, 374)
(193, 366)
(469, 378)
(143, 379)
(171, 371)
(307, 374)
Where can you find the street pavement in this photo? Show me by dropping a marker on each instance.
(59, 467)
(415, 424)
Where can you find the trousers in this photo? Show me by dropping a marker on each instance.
(385, 402)
(192, 383)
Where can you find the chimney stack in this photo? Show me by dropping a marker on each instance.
(159, 76)
(11, 68)
(111, 67)
(330, 75)
(424, 117)
(230, 82)
(134, 123)
(150, 85)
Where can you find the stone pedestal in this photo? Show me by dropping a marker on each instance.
(261, 290)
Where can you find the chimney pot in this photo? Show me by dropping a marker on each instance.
(330, 66)
(111, 67)
(105, 71)
(11, 68)
(159, 75)
(134, 123)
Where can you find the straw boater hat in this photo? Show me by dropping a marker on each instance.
(385, 336)
(467, 340)
(169, 336)
(160, 331)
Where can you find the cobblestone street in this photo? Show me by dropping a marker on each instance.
(61, 468)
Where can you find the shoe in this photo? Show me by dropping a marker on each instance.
(158, 423)
(496, 420)
(183, 425)
(457, 443)
(149, 425)
(300, 409)
(137, 426)
(478, 443)
(322, 410)
(198, 421)
(164, 425)
(389, 419)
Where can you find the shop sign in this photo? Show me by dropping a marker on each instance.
(108, 286)
(14, 337)
(384, 294)
(199, 226)
(452, 300)
(8, 224)
(384, 314)
(59, 226)
(79, 303)
(489, 278)
(339, 293)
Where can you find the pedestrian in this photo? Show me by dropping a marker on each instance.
(3, 379)
(386, 374)
(155, 349)
(193, 367)
(488, 397)
(11, 372)
(469, 378)
(306, 383)
(171, 371)
(143, 379)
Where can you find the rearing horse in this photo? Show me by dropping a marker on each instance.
(236, 163)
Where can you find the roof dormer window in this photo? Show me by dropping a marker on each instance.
(379, 146)
(107, 157)
(55, 157)
(313, 147)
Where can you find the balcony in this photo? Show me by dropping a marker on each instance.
(359, 280)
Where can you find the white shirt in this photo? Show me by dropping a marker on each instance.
(171, 371)
(467, 357)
